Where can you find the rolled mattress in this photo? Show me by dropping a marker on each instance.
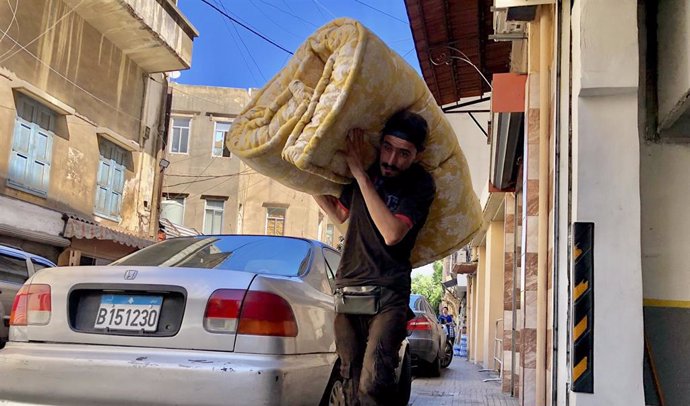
(343, 76)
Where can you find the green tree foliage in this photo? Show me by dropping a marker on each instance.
(430, 286)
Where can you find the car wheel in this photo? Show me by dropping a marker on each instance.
(334, 395)
(402, 397)
(448, 355)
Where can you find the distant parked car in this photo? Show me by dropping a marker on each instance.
(241, 320)
(16, 266)
(427, 338)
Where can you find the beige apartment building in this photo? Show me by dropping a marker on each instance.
(201, 182)
(267, 207)
(82, 107)
(208, 190)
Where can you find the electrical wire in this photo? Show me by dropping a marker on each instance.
(70, 80)
(249, 52)
(12, 21)
(383, 12)
(319, 7)
(239, 36)
(289, 13)
(226, 15)
(4, 58)
(269, 18)
(211, 177)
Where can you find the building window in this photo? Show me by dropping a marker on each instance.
(329, 234)
(213, 217)
(111, 180)
(172, 209)
(180, 135)
(32, 147)
(275, 220)
(219, 147)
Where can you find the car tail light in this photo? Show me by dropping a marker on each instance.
(267, 314)
(31, 306)
(223, 310)
(419, 323)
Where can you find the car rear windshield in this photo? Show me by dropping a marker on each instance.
(258, 254)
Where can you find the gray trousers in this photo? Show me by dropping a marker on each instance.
(368, 348)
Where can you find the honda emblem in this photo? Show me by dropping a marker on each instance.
(130, 275)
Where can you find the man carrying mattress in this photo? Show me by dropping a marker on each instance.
(387, 205)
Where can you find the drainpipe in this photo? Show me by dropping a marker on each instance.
(159, 151)
(557, 207)
(513, 341)
(542, 288)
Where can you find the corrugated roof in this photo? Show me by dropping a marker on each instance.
(79, 227)
(438, 25)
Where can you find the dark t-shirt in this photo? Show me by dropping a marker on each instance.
(366, 259)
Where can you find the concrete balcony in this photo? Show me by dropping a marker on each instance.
(153, 33)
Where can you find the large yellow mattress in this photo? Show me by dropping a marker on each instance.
(342, 77)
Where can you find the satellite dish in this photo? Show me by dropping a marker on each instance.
(174, 74)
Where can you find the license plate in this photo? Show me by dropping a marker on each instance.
(126, 312)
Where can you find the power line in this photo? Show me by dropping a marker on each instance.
(289, 13)
(12, 21)
(277, 24)
(257, 82)
(249, 52)
(383, 12)
(210, 177)
(325, 8)
(43, 33)
(70, 80)
(246, 27)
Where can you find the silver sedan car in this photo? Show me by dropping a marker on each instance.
(205, 320)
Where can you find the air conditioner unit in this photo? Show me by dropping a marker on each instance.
(505, 30)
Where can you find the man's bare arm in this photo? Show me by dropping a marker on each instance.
(330, 205)
(391, 228)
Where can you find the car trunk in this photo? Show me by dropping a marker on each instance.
(135, 306)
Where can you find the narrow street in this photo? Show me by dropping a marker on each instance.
(459, 385)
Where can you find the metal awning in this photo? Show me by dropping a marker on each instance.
(465, 269)
(448, 35)
(173, 230)
(77, 227)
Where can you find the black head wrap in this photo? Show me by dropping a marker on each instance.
(408, 126)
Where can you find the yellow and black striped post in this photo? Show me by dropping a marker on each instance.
(582, 296)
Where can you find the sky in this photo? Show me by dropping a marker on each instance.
(226, 54)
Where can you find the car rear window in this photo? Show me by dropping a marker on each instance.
(257, 254)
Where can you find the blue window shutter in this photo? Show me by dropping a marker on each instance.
(32, 147)
(118, 186)
(19, 159)
(42, 143)
(102, 183)
(111, 180)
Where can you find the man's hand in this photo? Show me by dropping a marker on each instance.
(355, 153)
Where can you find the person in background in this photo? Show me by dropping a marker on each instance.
(447, 319)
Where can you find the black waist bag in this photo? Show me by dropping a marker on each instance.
(358, 300)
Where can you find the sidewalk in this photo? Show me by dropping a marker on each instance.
(459, 385)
